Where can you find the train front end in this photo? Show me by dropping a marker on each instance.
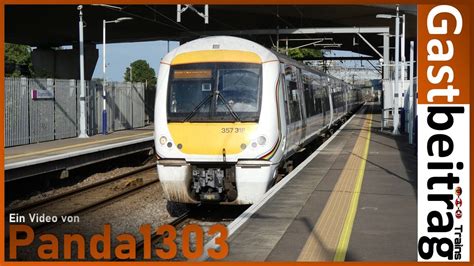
(214, 136)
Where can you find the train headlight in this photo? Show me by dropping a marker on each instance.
(261, 140)
(163, 140)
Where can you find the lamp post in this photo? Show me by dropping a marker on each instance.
(104, 92)
(396, 117)
(82, 96)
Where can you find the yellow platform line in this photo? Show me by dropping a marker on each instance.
(73, 146)
(324, 240)
(343, 244)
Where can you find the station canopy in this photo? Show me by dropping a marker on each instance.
(57, 25)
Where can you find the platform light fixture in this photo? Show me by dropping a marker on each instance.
(104, 81)
(108, 6)
(386, 16)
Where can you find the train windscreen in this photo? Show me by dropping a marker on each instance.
(214, 92)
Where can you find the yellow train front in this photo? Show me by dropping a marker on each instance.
(229, 115)
(213, 139)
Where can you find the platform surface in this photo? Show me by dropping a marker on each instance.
(61, 147)
(354, 201)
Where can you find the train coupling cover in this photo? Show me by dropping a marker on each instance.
(208, 183)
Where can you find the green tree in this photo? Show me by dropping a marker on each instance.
(17, 60)
(305, 53)
(141, 72)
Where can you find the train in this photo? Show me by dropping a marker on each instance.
(229, 113)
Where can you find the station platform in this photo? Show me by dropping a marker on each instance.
(65, 154)
(354, 199)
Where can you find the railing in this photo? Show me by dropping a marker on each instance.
(38, 110)
(386, 118)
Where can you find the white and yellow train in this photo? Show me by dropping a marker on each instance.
(230, 112)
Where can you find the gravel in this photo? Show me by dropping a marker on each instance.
(55, 191)
(147, 206)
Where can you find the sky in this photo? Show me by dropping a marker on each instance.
(120, 56)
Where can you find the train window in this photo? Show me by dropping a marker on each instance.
(308, 94)
(320, 94)
(239, 88)
(323, 81)
(214, 92)
(183, 93)
(291, 79)
(337, 99)
(318, 97)
(336, 94)
(327, 106)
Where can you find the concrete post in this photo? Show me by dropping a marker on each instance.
(82, 96)
(386, 70)
(104, 82)
(396, 116)
(412, 95)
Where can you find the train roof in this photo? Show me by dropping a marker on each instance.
(216, 43)
(301, 65)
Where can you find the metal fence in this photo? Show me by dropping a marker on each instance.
(30, 118)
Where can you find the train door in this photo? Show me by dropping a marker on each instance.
(283, 109)
(292, 99)
(287, 98)
(325, 105)
(320, 104)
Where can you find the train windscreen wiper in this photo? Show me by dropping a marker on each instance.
(234, 114)
(207, 99)
(196, 109)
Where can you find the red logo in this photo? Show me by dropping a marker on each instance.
(458, 191)
(458, 202)
(458, 214)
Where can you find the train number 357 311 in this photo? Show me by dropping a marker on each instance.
(228, 130)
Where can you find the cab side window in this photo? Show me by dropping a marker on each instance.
(291, 81)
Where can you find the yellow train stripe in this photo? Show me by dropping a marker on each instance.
(234, 56)
(343, 244)
(211, 138)
(73, 146)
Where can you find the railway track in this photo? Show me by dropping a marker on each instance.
(88, 197)
(155, 238)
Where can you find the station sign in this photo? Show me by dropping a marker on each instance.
(443, 133)
(42, 94)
